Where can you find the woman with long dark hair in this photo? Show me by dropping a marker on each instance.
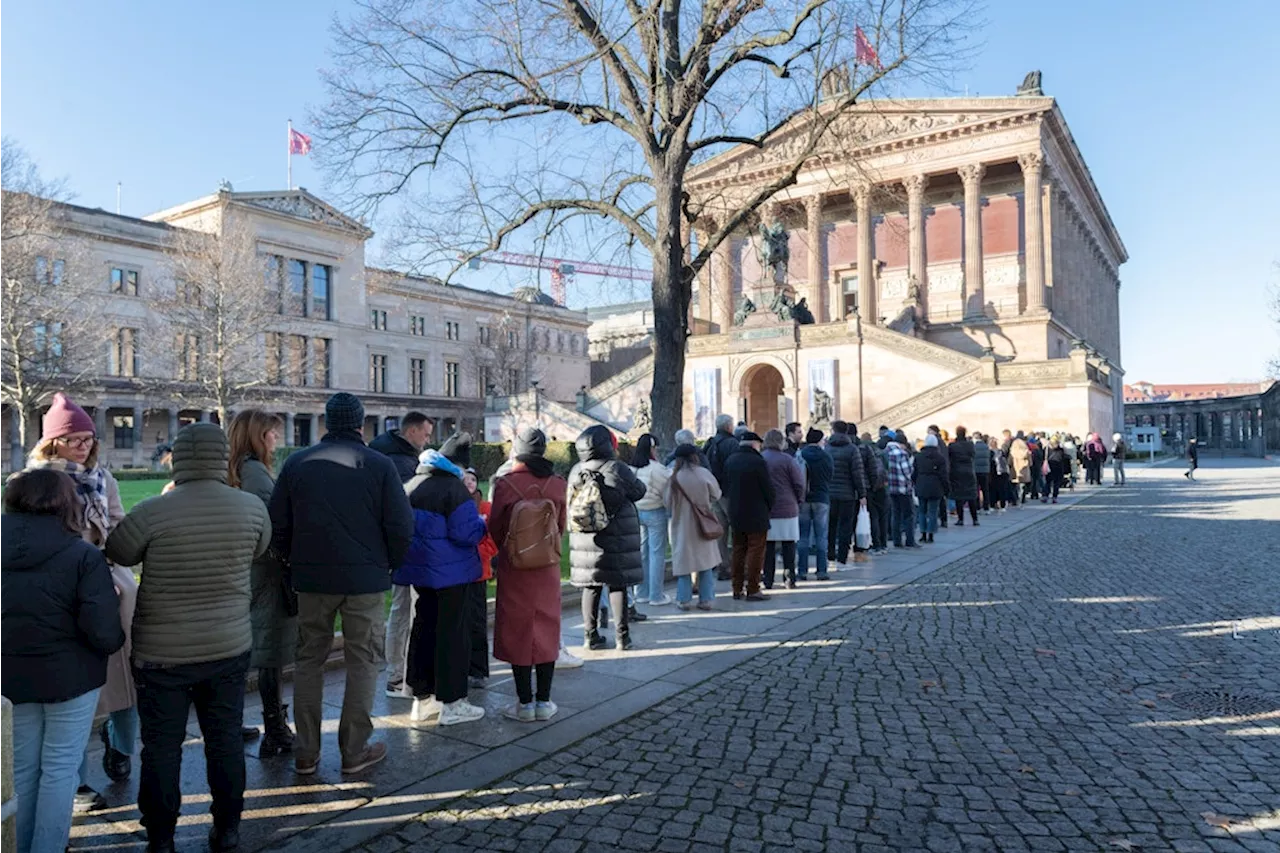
(654, 519)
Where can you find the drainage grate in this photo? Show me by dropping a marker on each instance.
(1220, 703)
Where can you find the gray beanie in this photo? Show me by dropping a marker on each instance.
(529, 442)
(343, 412)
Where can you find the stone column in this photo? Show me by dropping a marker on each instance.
(173, 424)
(818, 295)
(723, 285)
(973, 302)
(916, 266)
(138, 413)
(866, 277)
(206, 416)
(1032, 168)
(288, 429)
(100, 422)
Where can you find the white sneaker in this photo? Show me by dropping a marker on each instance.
(544, 711)
(520, 713)
(661, 601)
(458, 712)
(640, 599)
(426, 712)
(568, 660)
(399, 690)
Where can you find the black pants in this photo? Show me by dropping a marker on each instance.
(524, 681)
(983, 486)
(165, 697)
(479, 608)
(973, 509)
(440, 645)
(1055, 481)
(1000, 490)
(770, 562)
(878, 505)
(840, 529)
(591, 596)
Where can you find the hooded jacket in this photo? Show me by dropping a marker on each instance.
(340, 517)
(751, 494)
(402, 454)
(930, 474)
(818, 469)
(195, 545)
(447, 527)
(61, 615)
(717, 451)
(609, 557)
(849, 475)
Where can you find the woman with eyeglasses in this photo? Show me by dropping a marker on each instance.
(69, 443)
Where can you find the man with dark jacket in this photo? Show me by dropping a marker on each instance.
(751, 497)
(848, 491)
(878, 494)
(816, 508)
(717, 450)
(191, 629)
(982, 470)
(343, 523)
(794, 434)
(610, 556)
(402, 447)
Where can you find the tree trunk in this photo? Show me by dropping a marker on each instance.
(670, 313)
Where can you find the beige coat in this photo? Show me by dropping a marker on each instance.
(1020, 461)
(690, 553)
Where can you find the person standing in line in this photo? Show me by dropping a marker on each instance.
(1019, 469)
(878, 500)
(1118, 450)
(848, 492)
(934, 429)
(192, 631)
(692, 492)
(1095, 454)
(928, 475)
(795, 436)
(654, 520)
(478, 594)
(1193, 458)
(982, 470)
(603, 551)
(900, 472)
(527, 521)
(402, 447)
(1058, 464)
(343, 524)
(816, 508)
(69, 444)
(717, 450)
(1036, 445)
(442, 565)
(999, 476)
(751, 498)
(61, 623)
(962, 459)
(784, 516)
(273, 608)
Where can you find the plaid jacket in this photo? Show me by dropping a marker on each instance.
(898, 463)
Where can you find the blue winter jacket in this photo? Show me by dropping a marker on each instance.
(447, 527)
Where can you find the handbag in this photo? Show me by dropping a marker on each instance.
(709, 527)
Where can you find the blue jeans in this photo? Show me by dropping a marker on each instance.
(653, 552)
(122, 732)
(706, 587)
(904, 521)
(813, 523)
(928, 512)
(48, 743)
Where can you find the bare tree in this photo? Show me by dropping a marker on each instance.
(589, 114)
(502, 356)
(51, 333)
(213, 320)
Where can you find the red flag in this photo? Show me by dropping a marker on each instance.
(864, 53)
(299, 143)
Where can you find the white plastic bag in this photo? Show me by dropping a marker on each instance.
(862, 530)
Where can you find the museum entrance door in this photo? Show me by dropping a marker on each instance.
(764, 399)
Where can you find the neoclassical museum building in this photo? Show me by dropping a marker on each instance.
(965, 272)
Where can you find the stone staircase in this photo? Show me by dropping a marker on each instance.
(619, 381)
(931, 400)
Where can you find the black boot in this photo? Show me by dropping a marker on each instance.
(223, 838)
(604, 618)
(279, 737)
(115, 763)
(593, 640)
(634, 615)
(624, 643)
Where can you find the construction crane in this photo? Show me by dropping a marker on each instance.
(562, 270)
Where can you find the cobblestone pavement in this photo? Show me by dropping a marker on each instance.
(1038, 695)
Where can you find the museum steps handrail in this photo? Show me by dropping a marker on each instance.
(930, 400)
(549, 410)
(620, 381)
(919, 349)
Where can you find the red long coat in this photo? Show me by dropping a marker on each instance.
(526, 625)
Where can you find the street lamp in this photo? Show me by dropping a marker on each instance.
(537, 404)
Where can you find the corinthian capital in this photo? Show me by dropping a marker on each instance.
(1032, 161)
(971, 173)
(915, 184)
(861, 192)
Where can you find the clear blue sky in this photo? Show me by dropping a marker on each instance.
(1172, 103)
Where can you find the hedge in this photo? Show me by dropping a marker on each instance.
(141, 474)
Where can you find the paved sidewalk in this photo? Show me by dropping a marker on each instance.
(676, 650)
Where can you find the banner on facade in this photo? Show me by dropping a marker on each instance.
(706, 400)
(822, 390)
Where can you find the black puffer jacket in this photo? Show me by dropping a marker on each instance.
(394, 446)
(849, 479)
(61, 612)
(609, 557)
(964, 485)
(717, 451)
(930, 474)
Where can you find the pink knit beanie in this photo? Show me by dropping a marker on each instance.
(65, 417)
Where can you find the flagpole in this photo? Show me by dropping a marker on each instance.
(288, 146)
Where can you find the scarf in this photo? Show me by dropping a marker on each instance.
(91, 489)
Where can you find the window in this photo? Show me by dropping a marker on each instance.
(297, 363)
(452, 330)
(122, 431)
(377, 373)
(513, 338)
(188, 293)
(124, 281)
(275, 358)
(486, 381)
(417, 325)
(560, 341)
(320, 348)
(295, 298)
(573, 344)
(485, 334)
(378, 319)
(187, 348)
(513, 380)
(451, 373)
(271, 281)
(48, 342)
(124, 354)
(418, 377)
(42, 269)
(59, 271)
(320, 277)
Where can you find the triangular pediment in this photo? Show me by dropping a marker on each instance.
(868, 127)
(302, 205)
